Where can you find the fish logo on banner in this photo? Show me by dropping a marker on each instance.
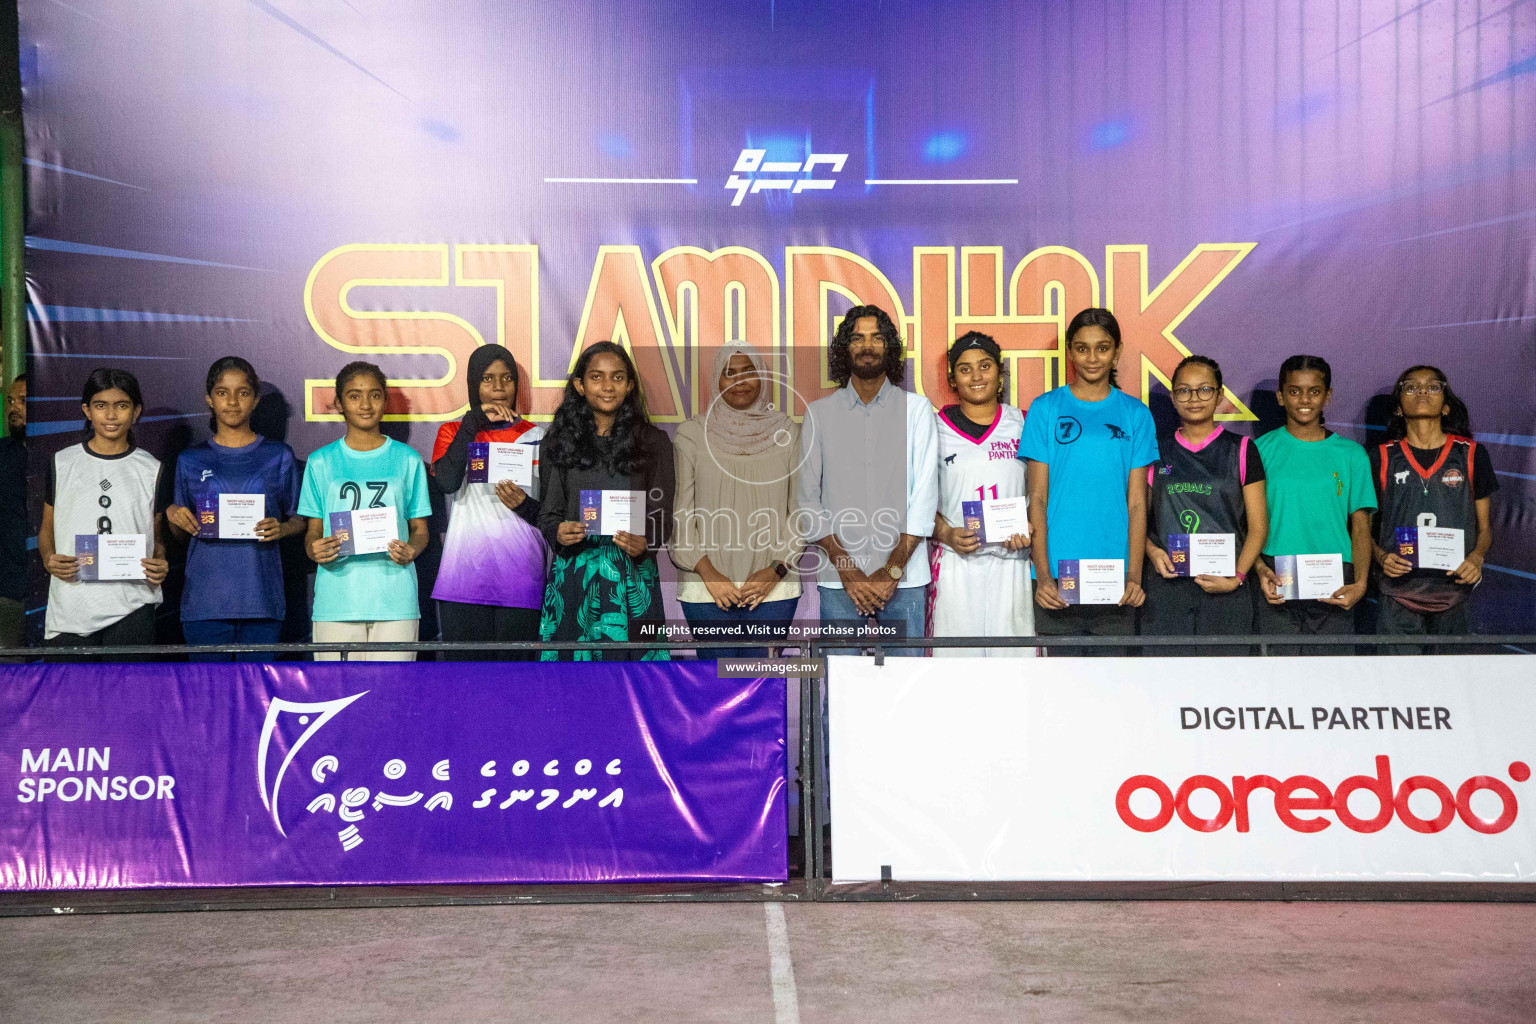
(322, 711)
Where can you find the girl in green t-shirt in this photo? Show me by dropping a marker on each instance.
(1320, 501)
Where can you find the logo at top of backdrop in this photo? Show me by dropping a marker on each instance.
(751, 163)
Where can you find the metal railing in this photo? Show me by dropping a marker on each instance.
(1261, 642)
(812, 773)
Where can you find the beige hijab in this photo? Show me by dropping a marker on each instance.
(749, 431)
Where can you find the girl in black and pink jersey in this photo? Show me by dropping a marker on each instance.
(1206, 481)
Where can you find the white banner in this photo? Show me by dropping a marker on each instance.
(1277, 769)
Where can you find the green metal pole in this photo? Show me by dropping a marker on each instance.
(13, 282)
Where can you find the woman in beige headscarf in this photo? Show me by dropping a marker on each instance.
(732, 542)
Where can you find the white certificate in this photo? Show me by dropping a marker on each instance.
(1207, 554)
(1001, 518)
(1441, 549)
(373, 529)
(491, 462)
(239, 514)
(119, 555)
(364, 531)
(511, 462)
(622, 510)
(1309, 577)
(607, 512)
(1091, 580)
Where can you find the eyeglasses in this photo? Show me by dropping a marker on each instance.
(1204, 392)
(1437, 388)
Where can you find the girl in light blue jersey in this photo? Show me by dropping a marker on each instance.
(365, 597)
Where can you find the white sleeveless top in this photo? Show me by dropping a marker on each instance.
(97, 494)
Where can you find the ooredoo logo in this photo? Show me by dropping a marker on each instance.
(1307, 794)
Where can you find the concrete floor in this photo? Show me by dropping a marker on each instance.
(950, 962)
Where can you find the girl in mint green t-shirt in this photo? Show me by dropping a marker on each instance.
(1320, 501)
(365, 597)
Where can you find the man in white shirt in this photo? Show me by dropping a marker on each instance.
(869, 481)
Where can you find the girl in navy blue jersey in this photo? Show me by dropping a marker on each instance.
(234, 586)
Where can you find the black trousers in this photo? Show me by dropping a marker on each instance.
(137, 627)
(1180, 608)
(1393, 619)
(1086, 620)
(13, 627)
(467, 622)
(1304, 618)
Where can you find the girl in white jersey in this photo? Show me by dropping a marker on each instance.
(978, 589)
(103, 486)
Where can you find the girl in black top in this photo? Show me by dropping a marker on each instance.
(1206, 480)
(602, 588)
(1429, 473)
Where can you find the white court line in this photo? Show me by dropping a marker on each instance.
(621, 181)
(786, 999)
(941, 181)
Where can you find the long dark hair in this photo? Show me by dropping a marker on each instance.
(1095, 316)
(1454, 418)
(571, 442)
(840, 366)
(222, 366)
(1302, 363)
(105, 378)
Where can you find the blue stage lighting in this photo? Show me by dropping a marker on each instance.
(1109, 134)
(440, 130)
(942, 147)
(615, 145)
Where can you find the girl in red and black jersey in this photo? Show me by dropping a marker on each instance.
(1429, 472)
(1207, 480)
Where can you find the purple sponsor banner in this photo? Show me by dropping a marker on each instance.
(216, 775)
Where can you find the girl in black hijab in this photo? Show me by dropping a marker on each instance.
(491, 582)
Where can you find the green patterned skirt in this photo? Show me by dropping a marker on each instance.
(600, 593)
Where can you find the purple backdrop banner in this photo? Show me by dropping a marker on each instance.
(187, 775)
(311, 183)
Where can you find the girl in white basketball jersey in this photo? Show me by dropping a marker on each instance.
(979, 589)
(102, 486)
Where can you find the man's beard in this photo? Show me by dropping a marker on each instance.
(15, 424)
(869, 371)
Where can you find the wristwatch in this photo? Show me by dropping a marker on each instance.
(781, 569)
(894, 571)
